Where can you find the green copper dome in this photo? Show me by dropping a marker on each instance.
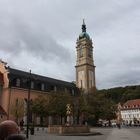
(84, 35)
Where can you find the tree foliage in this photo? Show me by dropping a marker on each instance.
(58, 102)
(122, 94)
(17, 109)
(99, 107)
(39, 106)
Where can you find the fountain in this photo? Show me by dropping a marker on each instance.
(69, 128)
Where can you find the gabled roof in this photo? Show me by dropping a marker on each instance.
(2, 111)
(132, 104)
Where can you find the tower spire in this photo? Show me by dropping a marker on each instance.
(83, 26)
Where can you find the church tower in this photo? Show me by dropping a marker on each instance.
(85, 69)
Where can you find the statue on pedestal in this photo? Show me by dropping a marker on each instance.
(68, 114)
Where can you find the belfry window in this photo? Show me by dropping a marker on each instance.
(81, 52)
(90, 52)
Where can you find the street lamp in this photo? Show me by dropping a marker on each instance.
(28, 105)
(74, 109)
(73, 113)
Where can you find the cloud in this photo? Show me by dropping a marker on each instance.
(41, 35)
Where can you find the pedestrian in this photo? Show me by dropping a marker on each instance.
(119, 125)
(16, 137)
(21, 124)
(8, 128)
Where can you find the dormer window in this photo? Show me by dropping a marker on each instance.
(32, 84)
(42, 86)
(73, 93)
(55, 88)
(125, 106)
(66, 90)
(18, 82)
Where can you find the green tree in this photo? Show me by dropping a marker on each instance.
(99, 107)
(122, 94)
(17, 109)
(108, 110)
(39, 106)
(79, 107)
(95, 101)
(57, 104)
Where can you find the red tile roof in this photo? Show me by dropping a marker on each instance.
(2, 111)
(132, 104)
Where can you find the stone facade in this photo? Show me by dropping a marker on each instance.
(68, 129)
(85, 69)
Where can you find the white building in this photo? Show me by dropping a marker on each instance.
(130, 112)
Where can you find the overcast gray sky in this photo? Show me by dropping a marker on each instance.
(41, 35)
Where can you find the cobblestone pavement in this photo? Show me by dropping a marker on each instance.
(106, 134)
